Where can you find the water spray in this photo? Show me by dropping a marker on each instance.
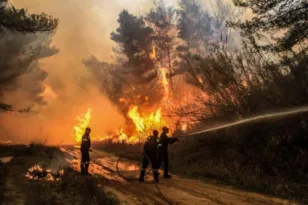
(252, 119)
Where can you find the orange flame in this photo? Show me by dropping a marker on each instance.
(84, 122)
(36, 170)
(164, 81)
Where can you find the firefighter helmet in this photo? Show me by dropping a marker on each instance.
(165, 129)
(155, 132)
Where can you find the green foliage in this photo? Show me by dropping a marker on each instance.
(20, 52)
(195, 24)
(20, 20)
(282, 20)
(134, 37)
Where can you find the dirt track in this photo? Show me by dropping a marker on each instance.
(177, 190)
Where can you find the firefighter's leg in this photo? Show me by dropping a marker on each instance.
(145, 163)
(166, 165)
(154, 161)
(87, 162)
(86, 170)
(82, 167)
(82, 163)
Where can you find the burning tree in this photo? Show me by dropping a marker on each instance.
(149, 70)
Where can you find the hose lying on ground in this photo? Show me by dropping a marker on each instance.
(136, 178)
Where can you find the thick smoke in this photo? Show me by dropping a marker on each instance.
(84, 30)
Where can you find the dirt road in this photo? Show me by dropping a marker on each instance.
(177, 190)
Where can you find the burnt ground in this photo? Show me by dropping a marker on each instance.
(72, 188)
(177, 190)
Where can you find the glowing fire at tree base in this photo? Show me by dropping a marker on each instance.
(143, 127)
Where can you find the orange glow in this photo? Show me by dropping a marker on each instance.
(164, 81)
(184, 127)
(38, 173)
(123, 100)
(84, 122)
(153, 54)
(144, 124)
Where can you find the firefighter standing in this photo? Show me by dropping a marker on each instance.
(151, 155)
(85, 148)
(163, 150)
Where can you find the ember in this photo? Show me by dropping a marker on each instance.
(38, 173)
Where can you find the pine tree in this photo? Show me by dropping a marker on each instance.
(19, 56)
(282, 24)
(163, 21)
(135, 40)
(20, 20)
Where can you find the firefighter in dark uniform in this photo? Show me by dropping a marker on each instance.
(164, 141)
(151, 155)
(85, 148)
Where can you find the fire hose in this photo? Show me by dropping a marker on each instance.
(136, 178)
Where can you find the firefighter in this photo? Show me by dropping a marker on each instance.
(163, 150)
(151, 155)
(85, 148)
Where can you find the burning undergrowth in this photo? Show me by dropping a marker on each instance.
(38, 173)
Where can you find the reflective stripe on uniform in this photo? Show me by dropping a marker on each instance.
(155, 170)
(84, 139)
(143, 169)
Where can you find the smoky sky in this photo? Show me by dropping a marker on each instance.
(84, 30)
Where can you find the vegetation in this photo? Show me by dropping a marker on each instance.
(71, 189)
(284, 22)
(20, 51)
(268, 155)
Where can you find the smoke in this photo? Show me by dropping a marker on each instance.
(84, 30)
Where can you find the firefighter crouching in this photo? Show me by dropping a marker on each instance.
(163, 150)
(85, 148)
(151, 155)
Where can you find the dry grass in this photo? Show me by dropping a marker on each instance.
(269, 155)
(71, 189)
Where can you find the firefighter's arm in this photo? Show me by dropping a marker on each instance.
(172, 140)
(89, 142)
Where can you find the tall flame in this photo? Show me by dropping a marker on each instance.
(84, 122)
(153, 54)
(164, 81)
(144, 124)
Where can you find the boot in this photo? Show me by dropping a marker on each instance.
(156, 176)
(141, 178)
(82, 168)
(167, 176)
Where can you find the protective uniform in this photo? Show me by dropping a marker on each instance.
(163, 150)
(85, 155)
(151, 155)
